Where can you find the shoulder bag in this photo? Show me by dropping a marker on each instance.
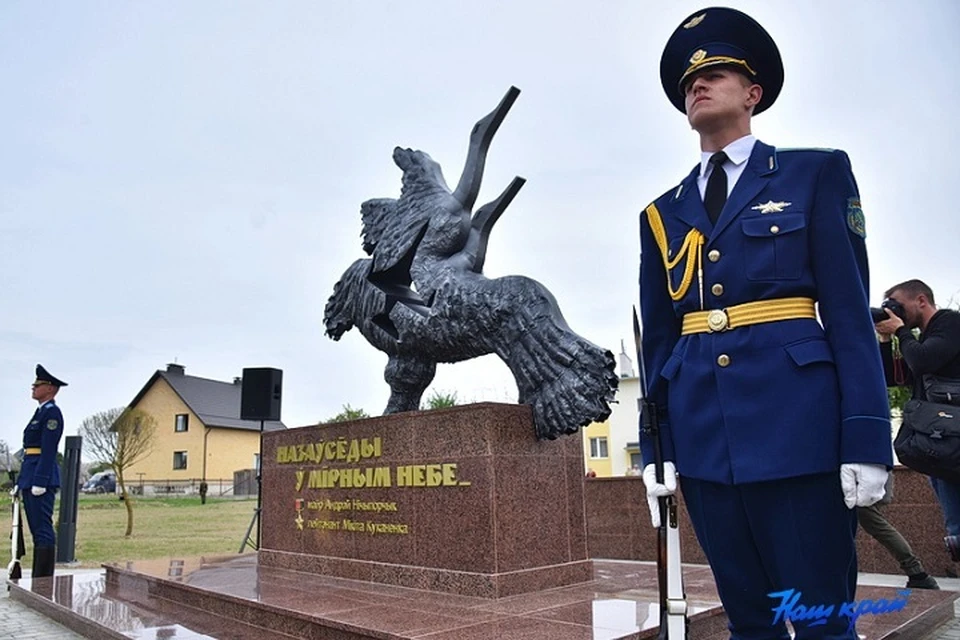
(929, 438)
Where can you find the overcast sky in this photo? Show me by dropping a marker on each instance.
(181, 180)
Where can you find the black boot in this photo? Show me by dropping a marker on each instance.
(43, 560)
(921, 581)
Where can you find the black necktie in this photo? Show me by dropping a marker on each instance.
(716, 194)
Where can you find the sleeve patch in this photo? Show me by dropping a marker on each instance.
(52, 425)
(855, 219)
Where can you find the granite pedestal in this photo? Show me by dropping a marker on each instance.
(236, 599)
(618, 525)
(463, 500)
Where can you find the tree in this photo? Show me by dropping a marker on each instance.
(898, 397)
(348, 414)
(440, 400)
(7, 459)
(120, 438)
(9, 463)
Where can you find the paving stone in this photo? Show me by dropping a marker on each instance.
(19, 622)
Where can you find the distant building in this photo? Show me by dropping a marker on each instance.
(199, 434)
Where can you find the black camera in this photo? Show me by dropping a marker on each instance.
(879, 315)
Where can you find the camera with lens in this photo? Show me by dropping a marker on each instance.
(879, 314)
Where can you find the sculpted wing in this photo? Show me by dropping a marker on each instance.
(376, 215)
(393, 228)
(568, 380)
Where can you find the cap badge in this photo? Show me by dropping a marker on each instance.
(695, 21)
(699, 55)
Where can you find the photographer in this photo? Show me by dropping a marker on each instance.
(932, 358)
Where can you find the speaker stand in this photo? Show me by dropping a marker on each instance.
(255, 521)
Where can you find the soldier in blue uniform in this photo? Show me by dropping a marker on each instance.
(758, 343)
(40, 474)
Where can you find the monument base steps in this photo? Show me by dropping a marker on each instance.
(234, 598)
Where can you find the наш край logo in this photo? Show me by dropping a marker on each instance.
(791, 609)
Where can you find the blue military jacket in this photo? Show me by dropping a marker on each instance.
(777, 399)
(43, 432)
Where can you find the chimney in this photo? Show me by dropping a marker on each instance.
(237, 380)
(176, 369)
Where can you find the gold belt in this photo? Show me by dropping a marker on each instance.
(32, 451)
(748, 313)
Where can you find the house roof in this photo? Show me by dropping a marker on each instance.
(216, 403)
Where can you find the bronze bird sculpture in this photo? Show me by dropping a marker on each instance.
(422, 297)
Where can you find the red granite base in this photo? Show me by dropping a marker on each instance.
(483, 585)
(235, 598)
(463, 500)
(618, 525)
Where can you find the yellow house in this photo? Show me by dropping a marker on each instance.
(199, 434)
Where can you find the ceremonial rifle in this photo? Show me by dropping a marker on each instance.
(673, 602)
(16, 534)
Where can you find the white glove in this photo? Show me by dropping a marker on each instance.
(656, 490)
(862, 484)
(39, 491)
(13, 492)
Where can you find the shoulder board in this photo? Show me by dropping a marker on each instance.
(672, 194)
(821, 149)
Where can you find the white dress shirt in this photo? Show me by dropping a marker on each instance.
(738, 152)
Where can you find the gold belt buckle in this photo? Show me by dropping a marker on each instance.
(717, 320)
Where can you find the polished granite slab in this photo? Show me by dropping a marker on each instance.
(463, 500)
(235, 598)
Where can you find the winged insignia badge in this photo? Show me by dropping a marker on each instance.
(771, 207)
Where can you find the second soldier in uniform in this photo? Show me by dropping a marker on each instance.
(40, 474)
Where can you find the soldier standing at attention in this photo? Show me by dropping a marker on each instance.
(758, 342)
(40, 474)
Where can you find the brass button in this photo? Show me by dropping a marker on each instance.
(713, 255)
(717, 289)
(774, 229)
(723, 360)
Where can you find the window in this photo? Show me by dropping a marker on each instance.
(181, 424)
(179, 459)
(598, 447)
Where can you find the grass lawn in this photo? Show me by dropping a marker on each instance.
(161, 527)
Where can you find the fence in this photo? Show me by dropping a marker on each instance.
(243, 483)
